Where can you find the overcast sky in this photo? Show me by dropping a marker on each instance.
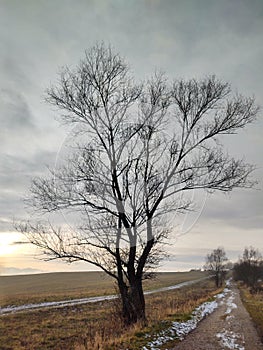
(184, 38)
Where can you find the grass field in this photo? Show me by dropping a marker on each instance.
(254, 305)
(17, 290)
(96, 326)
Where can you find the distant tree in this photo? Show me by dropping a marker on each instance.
(249, 269)
(216, 264)
(144, 146)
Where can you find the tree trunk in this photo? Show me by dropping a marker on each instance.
(133, 302)
(138, 301)
(217, 279)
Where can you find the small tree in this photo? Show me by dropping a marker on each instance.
(249, 269)
(216, 265)
(144, 146)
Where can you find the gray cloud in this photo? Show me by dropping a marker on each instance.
(16, 172)
(19, 243)
(15, 178)
(242, 209)
(15, 112)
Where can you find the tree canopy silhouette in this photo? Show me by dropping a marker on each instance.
(143, 147)
(216, 264)
(249, 268)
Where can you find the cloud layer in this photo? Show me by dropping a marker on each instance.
(184, 38)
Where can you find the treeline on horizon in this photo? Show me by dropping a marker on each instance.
(248, 269)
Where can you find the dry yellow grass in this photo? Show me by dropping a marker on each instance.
(96, 326)
(53, 286)
(162, 309)
(254, 305)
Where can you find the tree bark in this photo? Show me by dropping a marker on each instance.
(133, 301)
(217, 279)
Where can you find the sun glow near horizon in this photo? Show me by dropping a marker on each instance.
(10, 243)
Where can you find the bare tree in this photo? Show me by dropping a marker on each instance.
(144, 146)
(249, 269)
(216, 265)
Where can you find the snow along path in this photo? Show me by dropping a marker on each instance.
(64, 303)
(228, 327)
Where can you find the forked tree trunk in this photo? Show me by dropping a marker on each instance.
(131, 290)
(133, 302)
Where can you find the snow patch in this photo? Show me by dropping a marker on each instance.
(228, 282)
(176, 286)
(230, 340)
(180, 329)
(63, 303)
(183, 328)
(226, 290)
(230, 304)
(223, 295)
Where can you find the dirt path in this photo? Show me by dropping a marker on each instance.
(64, 303)
(228, 327)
